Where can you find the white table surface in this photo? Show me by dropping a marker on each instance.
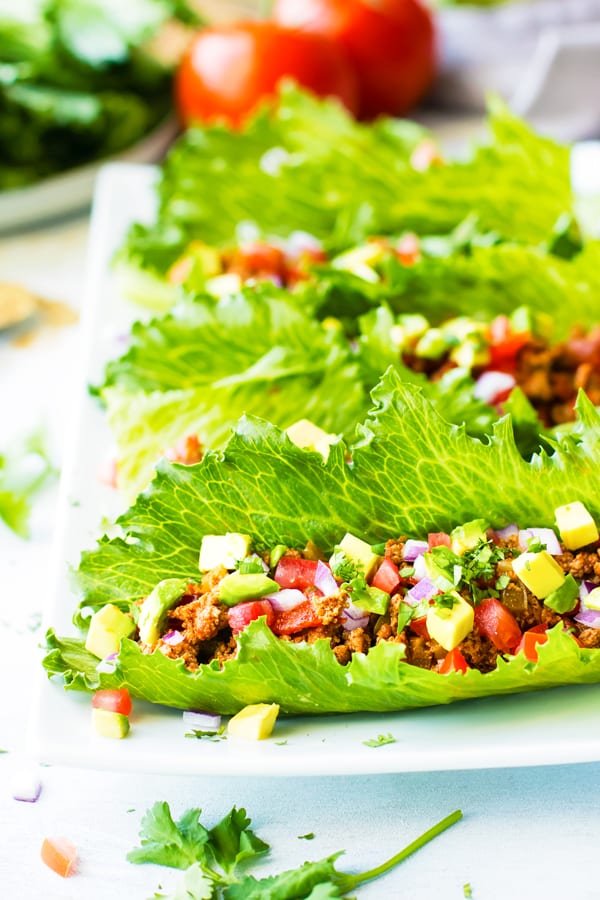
(526, 833)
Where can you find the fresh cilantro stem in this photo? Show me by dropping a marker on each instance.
(348, 882)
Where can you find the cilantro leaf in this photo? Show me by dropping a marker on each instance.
(195, 885)
(231, 841)
(294, 884)
(24, 470)
(380, 740)
(169, 843)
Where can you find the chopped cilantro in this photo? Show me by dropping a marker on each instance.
(280, 743)
(251, 565)
(380, 740)
(208, 735)
(342, 567)
(307, 837)
(467, 891)
(535, 546)
(475, 570)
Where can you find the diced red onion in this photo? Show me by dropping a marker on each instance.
(544, 535)
(353, 624)
(26, 785)
(173, 638)
(108, 664)
(504, 533)
(420, 567)
(586, 587)
(325, 581)
(490, 385)
(301, 241)
(286, 598)
(412, 549)
(201, 721)
(588, 617)
(424, 590)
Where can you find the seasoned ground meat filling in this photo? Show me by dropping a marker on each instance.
(331, 602)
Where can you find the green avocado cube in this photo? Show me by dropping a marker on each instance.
(451, 626)
(154, 609)
(564, 598)
(223, 550)
(110, 724)
(237, 587)
(468, 536)
(361, 554)
(471, 353)
(433, 344)
(592, 601)
(107, 626)
(539, 572)
(306, 435)
(575, 525)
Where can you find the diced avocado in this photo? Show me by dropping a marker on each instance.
(468, 536)
(308, 436)
(471, 352)
(462, 327)
(433, 344)
(275, 555)
(360, 258)
(223, 550)
(539, 572)
(107, 627)
(407, 328)
(564, 598)
(223, 285)
(361, 554)
(154, 608)
(254, 722)
(451, 626)
(110, 724)
(523, 319)
(371, 599)
(592, 601)
(236, 588)
(576, 526)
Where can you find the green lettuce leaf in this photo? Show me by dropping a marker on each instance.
(306, 679)
(407, 476)
(199, 369)
(484, 282)
(410, 473)
(308, 166)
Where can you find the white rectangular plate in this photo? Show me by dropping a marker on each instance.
(555, 726)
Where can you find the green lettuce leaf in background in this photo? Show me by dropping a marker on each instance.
(483, 282)
(199, 369)
(308, 166)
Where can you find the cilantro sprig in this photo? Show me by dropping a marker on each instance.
(212, 859)
(475, 570)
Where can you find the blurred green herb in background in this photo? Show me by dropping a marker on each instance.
(77, 81)
(24, 470)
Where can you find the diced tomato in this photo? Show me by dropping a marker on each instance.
(454, 661)
(505, 344)
(295, 573)
(60, 855)
(386, 577)
(408, 249)
(118, 701)
(498, 624)
(180, 270)
(187, 451)
(419, 626)
(241, 615)
(291, 621)
(425, 155)
(531, 637)
(438, 539)
(259, 259)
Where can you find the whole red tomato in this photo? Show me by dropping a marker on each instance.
(229, 69)
(390, 43)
